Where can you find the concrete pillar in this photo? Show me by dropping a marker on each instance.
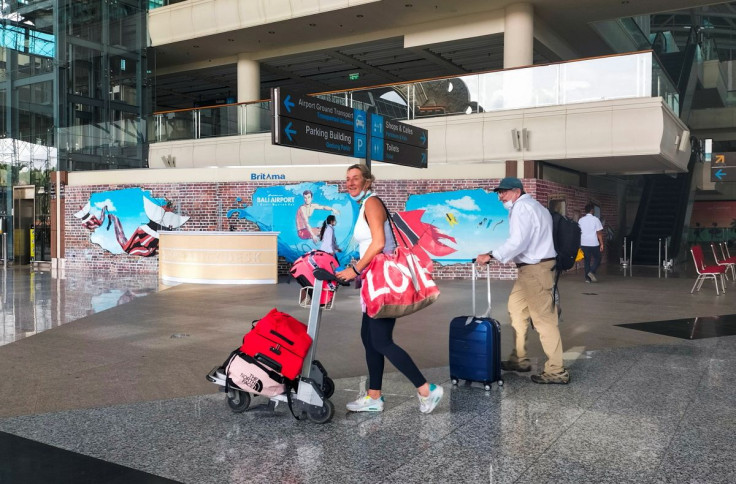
(249, 79)
(518, 36)
(59, 180)
(249, 89)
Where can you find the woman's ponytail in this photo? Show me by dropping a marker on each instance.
(328, 220)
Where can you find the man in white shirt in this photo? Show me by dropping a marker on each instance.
(531, 247)
(591, 242)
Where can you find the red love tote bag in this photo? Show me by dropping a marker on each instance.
(399, 283)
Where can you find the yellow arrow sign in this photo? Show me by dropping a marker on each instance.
(720, 158)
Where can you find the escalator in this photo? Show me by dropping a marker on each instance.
(664, 199)
(661, 214)
(681, 67)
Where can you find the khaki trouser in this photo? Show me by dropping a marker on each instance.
(532, 298)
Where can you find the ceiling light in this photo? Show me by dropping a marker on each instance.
(407, 5)
(271, 32)
(231, 40)
(196, 46)
(312, 25)
(360, 15)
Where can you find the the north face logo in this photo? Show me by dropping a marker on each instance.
(251, 381)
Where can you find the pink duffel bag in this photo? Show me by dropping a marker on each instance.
(247, 374)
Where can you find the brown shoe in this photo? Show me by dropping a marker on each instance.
(562, 378)
(521, 366)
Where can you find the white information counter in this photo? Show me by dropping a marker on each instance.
(218, 257)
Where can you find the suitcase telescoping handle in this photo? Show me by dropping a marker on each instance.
(475, 270)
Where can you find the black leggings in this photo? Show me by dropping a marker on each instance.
(377, 336)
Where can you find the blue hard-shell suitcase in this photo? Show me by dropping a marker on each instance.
(475, 345)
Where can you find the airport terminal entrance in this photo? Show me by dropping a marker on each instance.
(24, 215)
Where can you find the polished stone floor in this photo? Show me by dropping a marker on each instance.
(117, 394)
(34, 301)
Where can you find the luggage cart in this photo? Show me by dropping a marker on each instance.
(312, 389)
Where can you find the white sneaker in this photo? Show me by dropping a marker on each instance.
(366, 404)
(427, 404)
(592, 277)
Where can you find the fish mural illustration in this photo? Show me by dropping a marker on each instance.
(451, 219)
(422, 234)
(474, 218)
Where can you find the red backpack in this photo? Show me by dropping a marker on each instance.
(278, 341)
(303, 269)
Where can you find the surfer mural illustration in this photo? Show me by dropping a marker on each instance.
(275, 208)
(129, 211)
(297, 213)
(305, 212)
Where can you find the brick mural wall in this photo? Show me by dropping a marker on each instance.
(207, 204)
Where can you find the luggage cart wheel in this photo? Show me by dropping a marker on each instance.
(323, 414)
(500, 383)
(487, 387)
(454, 381)
(328, 387)
(238, 400)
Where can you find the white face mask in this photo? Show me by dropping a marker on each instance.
(507, 205)
(360, 195)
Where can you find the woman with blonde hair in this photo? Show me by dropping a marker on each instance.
(373, 234)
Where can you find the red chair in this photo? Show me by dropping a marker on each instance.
(728, 262)
(725, 252)
(704, 272)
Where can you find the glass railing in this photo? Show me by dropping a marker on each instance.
(153, 4)
(664, 87)
(631, 26)
(633, 75)
(211, 122)
(120, 139)
(664, 43)
(709, 49)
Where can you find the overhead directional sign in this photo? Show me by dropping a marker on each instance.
(398, 143)
(307, 122)
(311, 123)
(723, 167)
(398, 132)
(315, 110)
(723, 174)
(313, 136)
(727, 159)
(398, 153)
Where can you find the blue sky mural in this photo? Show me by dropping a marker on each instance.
(298, 216)
(475, 218)
(128, 220)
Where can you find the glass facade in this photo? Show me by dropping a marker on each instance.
(72, 97)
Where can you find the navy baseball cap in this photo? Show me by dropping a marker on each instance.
(508, 183)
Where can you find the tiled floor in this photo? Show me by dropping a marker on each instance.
(690, 328)
(641, 406)
(34, 301)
